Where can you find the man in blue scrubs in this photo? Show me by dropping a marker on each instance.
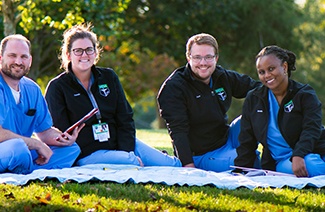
(23, 112)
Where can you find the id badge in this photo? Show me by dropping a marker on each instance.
(101, 132)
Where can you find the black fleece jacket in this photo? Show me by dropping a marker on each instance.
(195, 114)
(68, 101)
(299, 121)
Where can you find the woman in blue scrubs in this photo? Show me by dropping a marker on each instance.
(285, 117)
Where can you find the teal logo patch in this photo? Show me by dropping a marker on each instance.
(104, 90)
(221, 93)
(289, 106)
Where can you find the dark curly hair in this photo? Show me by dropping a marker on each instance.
(283, 54)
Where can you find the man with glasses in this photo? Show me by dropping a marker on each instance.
(194, 101)
(23, 112)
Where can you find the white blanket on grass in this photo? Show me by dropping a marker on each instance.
(163, 175)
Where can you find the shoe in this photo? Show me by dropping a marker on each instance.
(164, 151)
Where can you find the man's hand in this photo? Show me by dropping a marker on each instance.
(299, 167)
(44, 152)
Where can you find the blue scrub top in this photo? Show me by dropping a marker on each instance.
(279, 148)
(30, 115)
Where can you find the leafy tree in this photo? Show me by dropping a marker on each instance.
(242, 28)
(10, 16)
(311, 60)
(144, 40)
(43, 22)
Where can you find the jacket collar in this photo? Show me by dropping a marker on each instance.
(95, 71)
(293, 87)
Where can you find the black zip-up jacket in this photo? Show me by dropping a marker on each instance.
(299, 121)
(68, 101)
(195, 114)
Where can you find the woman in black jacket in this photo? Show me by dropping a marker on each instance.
(285, 117)
(109, 136)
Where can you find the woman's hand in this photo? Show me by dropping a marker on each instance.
(66, 139)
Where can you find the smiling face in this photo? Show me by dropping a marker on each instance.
(202, 69)
(272, 72)
(16, 59)
(85, 61)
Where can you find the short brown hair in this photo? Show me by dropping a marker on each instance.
(5, 40)
(201, 39)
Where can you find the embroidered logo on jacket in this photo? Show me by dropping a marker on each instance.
(104, 90)
(288, 107)
(221, 93)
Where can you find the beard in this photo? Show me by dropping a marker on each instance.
(197, 76)
(202, 77)
(9, 71)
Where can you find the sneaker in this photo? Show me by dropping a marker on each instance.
(164, 151)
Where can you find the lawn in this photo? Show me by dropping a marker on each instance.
(102, 196)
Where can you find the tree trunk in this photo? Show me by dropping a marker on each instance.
(9, 18)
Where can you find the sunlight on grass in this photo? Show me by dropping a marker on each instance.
(159, 139)
(105, 196)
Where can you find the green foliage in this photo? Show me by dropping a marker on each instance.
(242, 28)
(144, 40)
(141, 71)
(43, 22)
(59, 15)
(311, 60)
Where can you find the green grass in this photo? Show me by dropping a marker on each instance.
(156, 138)
(102, 196)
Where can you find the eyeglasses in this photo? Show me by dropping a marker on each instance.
(198, 58)
(80, 51)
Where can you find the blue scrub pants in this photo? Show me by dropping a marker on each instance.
(148, 155)
(221, 159)
(315, 165)
(15, 157)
